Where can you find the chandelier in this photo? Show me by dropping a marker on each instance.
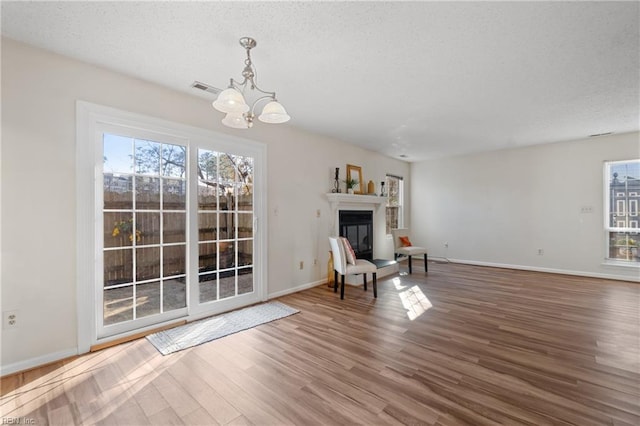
(232, 102)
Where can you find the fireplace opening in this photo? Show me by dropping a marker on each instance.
(357, 227)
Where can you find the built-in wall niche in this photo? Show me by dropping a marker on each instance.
(357, 227)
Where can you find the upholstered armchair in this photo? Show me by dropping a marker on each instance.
(345, 263)
(402, 245)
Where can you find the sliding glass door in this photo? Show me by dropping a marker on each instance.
(175, 227)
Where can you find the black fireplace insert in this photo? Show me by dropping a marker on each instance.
(357, 227)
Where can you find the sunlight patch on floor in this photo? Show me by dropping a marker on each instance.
(397, 282)
(414, 301)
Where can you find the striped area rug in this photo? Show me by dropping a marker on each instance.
(206, 330)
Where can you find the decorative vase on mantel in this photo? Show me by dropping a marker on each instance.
(371, 188)
(349, 190)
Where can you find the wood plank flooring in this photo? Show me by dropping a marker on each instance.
(461, 345)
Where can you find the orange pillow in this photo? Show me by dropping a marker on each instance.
(405, 241)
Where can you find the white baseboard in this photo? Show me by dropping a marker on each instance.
(37, 361)
(296, 289)
(548, 270)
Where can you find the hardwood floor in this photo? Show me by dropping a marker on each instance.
(463, 345)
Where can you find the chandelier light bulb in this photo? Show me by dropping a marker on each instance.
(230, 100)
(274, 113)
(235, 120)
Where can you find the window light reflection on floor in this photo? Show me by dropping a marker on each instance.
(398, 284)
(413, 299)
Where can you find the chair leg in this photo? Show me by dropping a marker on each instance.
(335, 281)
(409, 264)
(342, 287)
(365, 281)
(375, 285)
(426, 265)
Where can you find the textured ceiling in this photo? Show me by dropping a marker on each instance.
(420, 79)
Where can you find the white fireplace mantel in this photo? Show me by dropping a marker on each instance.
(335, 199)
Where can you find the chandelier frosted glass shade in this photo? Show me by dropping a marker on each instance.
(230, 101)
(235, 120)
(274, 113)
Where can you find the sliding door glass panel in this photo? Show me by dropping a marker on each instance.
(225, 225)
(144, 228)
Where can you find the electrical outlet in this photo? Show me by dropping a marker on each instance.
(540, 252)
(586, 209)
(301, 264)
(10, 319)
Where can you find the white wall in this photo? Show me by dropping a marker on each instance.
(39, 93)
(499, 208)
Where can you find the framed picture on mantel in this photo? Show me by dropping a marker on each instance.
(355, 173)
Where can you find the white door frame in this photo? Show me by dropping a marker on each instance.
(89, 119)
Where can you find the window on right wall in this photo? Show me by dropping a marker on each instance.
(622, 184)
(394, 202)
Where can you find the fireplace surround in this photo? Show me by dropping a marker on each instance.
(370, 205)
